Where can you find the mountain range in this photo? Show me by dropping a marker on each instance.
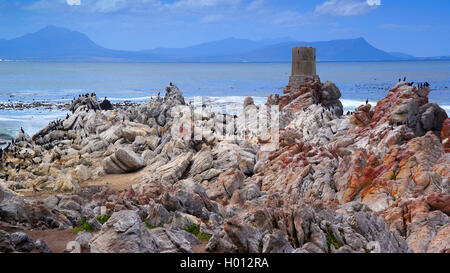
(60, 44)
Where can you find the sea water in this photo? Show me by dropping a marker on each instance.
(219, 83)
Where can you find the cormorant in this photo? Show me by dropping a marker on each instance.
(367, 101)
(404, 79)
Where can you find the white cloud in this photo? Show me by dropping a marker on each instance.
(373, 2)
(199, 4)
(73, 2)
(212, 18)
(346, 7)
(256, 4)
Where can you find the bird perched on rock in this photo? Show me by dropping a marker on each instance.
(367, 101)
(404, 79)
(22, 131)
(427, 84)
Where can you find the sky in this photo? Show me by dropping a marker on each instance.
(417, 27)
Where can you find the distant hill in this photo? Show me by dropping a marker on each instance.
(337, 50)
(55, 43)
(60, 44)
(217, 49)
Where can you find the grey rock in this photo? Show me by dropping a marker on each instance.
(171, 241)
(22, 242)
(123, 161)
(276, 243)
(5, 242)
(51, 201)
(95, 224)
(157, 215)
(84, 238)
(124, 233)
(73, 216)
(246, 238)
(11, 207)
(42, 246)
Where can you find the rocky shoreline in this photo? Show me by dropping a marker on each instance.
(376, 180)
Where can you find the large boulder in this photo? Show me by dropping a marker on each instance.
(123, 161)
(246, 238)
(124, 233)
(22, 242)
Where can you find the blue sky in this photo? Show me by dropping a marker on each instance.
(417, 27)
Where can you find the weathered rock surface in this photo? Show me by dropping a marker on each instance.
(124, 233)
(373, 181)
(123, 161)
(21, 242)
(5, 242)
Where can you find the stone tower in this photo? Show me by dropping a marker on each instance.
(303, 65)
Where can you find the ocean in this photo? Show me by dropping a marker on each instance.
(222, 83)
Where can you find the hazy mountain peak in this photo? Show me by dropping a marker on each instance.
(58, 43)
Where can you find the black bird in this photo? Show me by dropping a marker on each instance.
(399, 80)
(404, 79)
(367, 101)
(170, 84)
(21, 130)
(427, 84)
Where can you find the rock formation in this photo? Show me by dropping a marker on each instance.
(375, 181)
